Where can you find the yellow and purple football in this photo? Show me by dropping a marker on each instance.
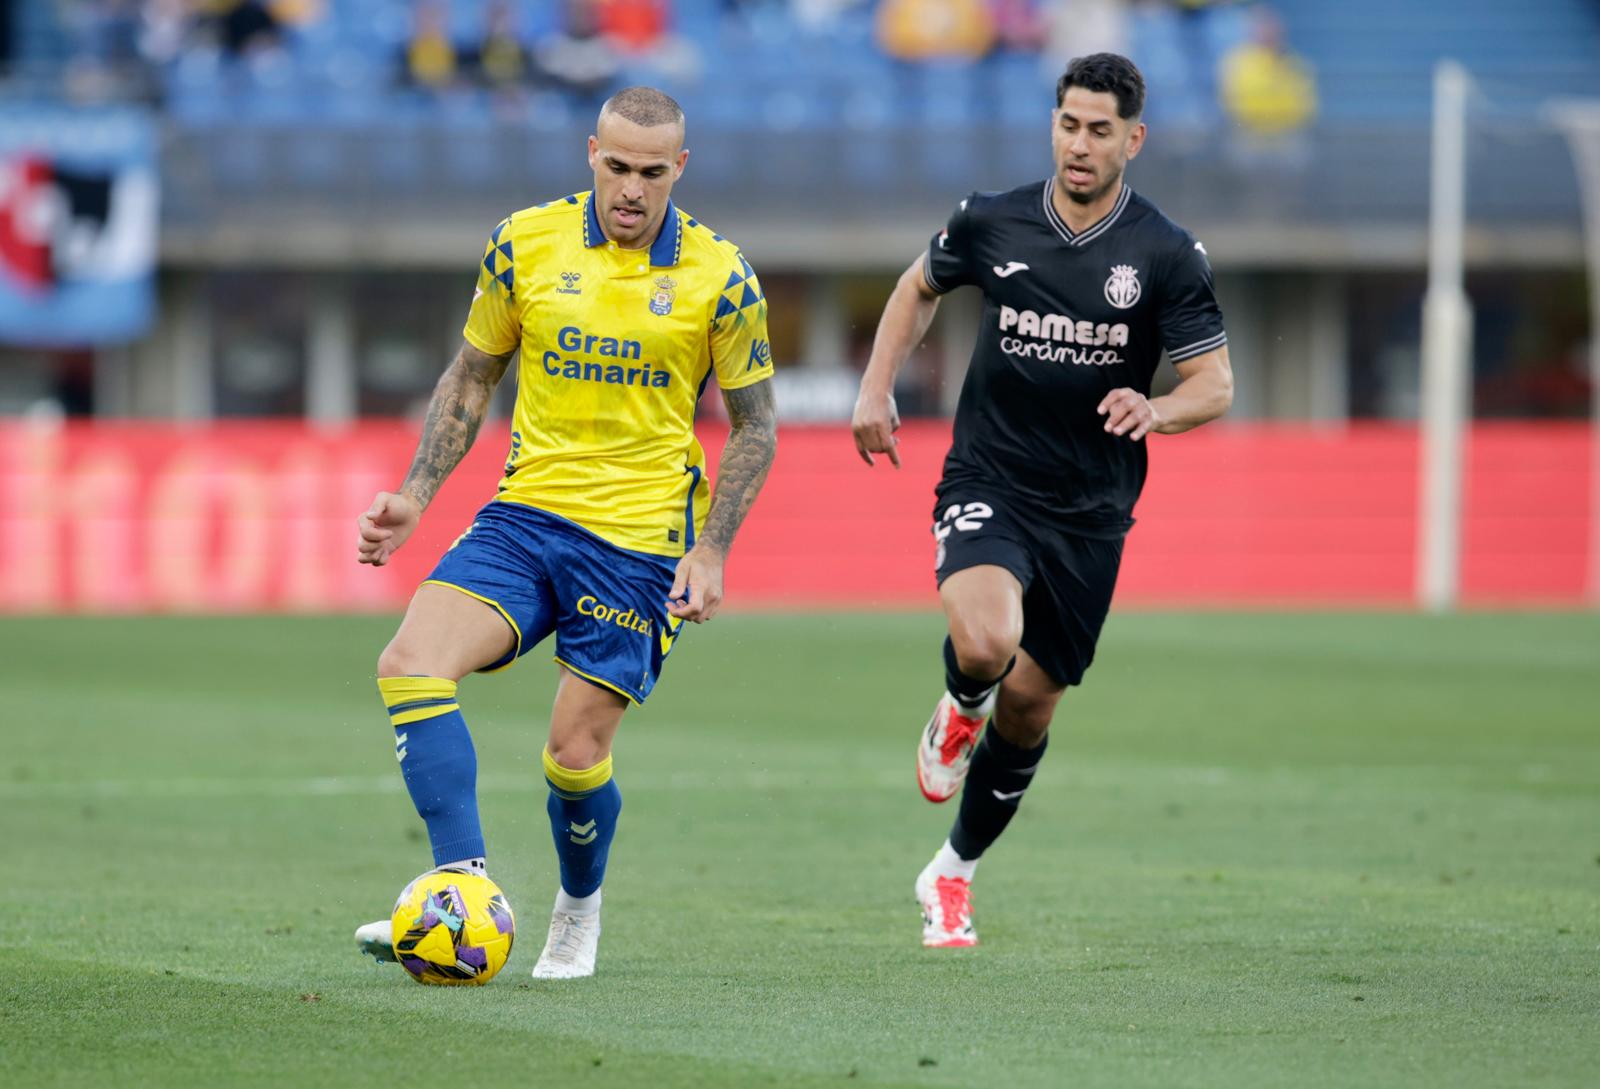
(453, 929)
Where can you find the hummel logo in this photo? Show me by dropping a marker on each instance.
(580, 838)
(400, 745)
(1008, 796)
(1011, 267)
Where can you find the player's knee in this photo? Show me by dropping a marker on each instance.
(577, 753)
(398, 660)
(984, 650)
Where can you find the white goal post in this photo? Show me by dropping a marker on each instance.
(1446, 348)
(1447, 333)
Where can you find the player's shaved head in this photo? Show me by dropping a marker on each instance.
(636, 154)
(644, 106)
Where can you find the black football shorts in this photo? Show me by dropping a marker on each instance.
(1067, 579)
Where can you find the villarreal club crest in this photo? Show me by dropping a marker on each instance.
(661, 300)
(452, 929)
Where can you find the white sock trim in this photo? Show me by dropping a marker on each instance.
(471, 865)
(578, 905)
(983, 708)
(949, 864)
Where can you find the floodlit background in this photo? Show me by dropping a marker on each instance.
(261, 221)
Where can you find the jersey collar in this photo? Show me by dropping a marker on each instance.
(664, 251)
(1084, 237)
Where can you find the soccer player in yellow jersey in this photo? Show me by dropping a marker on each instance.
(602, 532)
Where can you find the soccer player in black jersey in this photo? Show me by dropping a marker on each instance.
(1085, 283)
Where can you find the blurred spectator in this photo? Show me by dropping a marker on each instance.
(642, 30)
(1266, 89)
(577, 58)
(500, 61)
(163, 30)
(244, 27)
(915, 30)
(1082, 27)
(633, 26)
(1019, 25)
(430, 60)
(294, 13)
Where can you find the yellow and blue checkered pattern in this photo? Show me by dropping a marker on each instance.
(499, 260)
(741, 291)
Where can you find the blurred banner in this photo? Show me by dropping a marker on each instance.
(253, 516)
(78, 220)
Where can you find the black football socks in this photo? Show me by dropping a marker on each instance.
(968, 691)
(995, 785)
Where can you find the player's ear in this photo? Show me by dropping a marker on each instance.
(1135, 139)
(683, 159)
(594, 150)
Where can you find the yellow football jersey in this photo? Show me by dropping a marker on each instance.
(617, 345)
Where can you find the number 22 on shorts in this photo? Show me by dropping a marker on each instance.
(964, 517)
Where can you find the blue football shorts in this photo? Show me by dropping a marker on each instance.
(543, 573)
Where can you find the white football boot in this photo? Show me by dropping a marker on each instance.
(944, 751)
(376, 940)
(570, 949)
(946, 904)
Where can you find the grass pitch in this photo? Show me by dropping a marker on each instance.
(1265, 850)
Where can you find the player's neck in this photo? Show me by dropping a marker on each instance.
(1080, 217)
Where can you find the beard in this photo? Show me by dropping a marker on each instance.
(1092, 195)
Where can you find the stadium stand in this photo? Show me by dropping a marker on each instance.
(796, 69)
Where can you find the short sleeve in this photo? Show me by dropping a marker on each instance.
(494, 323)
(949, 263)
(740, 349)
(1191, 320)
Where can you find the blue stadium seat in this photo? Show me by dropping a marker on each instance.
(1372, 59)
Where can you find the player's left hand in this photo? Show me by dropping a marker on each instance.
(697, 588)
(1129, 412)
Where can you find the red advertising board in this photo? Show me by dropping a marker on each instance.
(260, 516)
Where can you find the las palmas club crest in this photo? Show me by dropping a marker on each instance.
(661, 301)
(1122, 289)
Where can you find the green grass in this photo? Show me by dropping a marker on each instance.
(1265, 850)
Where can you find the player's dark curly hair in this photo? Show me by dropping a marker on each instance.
(1108, 73)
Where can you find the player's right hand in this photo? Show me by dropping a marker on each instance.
(385, 526)
(874, 423)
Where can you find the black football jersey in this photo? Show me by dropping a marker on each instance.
(1067, 318)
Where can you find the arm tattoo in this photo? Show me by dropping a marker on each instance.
(460, 401)
(752, 442)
